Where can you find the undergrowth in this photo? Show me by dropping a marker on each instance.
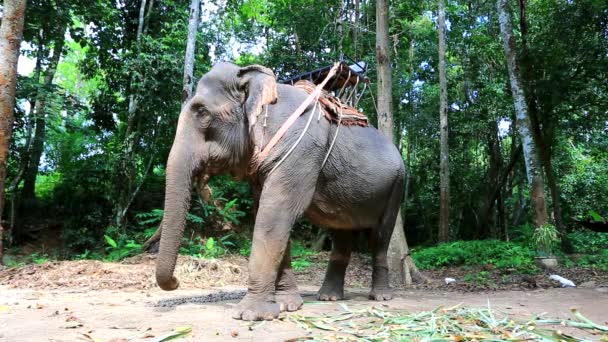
(499, 254)
(592, 246)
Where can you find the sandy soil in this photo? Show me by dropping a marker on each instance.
(94, 301)
(72, 314)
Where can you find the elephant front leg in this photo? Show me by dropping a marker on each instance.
(287, 293)
(276, 214)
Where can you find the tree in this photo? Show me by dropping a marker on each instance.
(11, 33)
(37, 147)
(127, 192)
(195, 12)
(529, 145)
(444, 154)
(188, 82)
(400, 262)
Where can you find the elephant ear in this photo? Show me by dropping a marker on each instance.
(261, 89)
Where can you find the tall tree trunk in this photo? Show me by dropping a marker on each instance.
(444, 158)
(357, 11)
(492, 184)
(400, 261)
(529, 145)
(195, 10)
(543, 129)
(11, 33)
(25, 152)
(147, 17)
(29, 185)
(126, 168)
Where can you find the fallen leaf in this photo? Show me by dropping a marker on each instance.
(72, 325)
(92, 338)
(177, 332)
(234, 333)
(4, 308)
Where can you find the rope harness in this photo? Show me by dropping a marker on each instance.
(328, 105)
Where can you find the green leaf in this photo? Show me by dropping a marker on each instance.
(110, 241)
(177, 332)
(595, 216)
(210, 244)
(324, 326)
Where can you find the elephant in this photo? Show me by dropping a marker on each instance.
(233, 114)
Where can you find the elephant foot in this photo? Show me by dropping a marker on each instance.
(331, 293)
(289, 301)
(381, 294)
(252, 308)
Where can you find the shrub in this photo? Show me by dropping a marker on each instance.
(546, 239)
(588, 242)
(500, 254)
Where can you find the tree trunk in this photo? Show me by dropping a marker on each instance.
(444, 158)
(11, 33)
(147, 17)
(29, 185)
(399, 259)
(126, 167)
(356, 28)
(543, 131)
(529, 145)
(195, 10)
(25, 152)
(492, 184)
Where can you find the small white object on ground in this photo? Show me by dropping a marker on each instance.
(565, 282)
(449, 281)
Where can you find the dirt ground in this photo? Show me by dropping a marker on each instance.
(94, 301)
(69, 314)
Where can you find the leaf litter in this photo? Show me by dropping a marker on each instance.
(443, 324)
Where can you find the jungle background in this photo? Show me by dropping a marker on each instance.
(100, 87)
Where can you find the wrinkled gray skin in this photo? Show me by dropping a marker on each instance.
(360, 186)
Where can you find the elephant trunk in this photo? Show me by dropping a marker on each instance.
(183, 161)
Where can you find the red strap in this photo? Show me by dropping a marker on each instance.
(290, 121)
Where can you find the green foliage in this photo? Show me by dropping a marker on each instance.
(39, 258)
(598, 261)
(596, 217)
(585, 241)
(97, 151)
(245, 249)
(546, 239)
(300, 255)
(300, 264)
(502, 255)
(299, 250)
(207, 249)
(45, 185)
(154, 216)
(593, 247)
(120, 247)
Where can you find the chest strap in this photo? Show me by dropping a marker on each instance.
(292, 119)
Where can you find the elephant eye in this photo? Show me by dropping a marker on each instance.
(200, 110)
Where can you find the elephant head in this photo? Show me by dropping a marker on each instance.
(213, 136)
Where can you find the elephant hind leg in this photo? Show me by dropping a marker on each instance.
(380, 240)
(333, 285)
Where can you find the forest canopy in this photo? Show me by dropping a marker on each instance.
(100, 87)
